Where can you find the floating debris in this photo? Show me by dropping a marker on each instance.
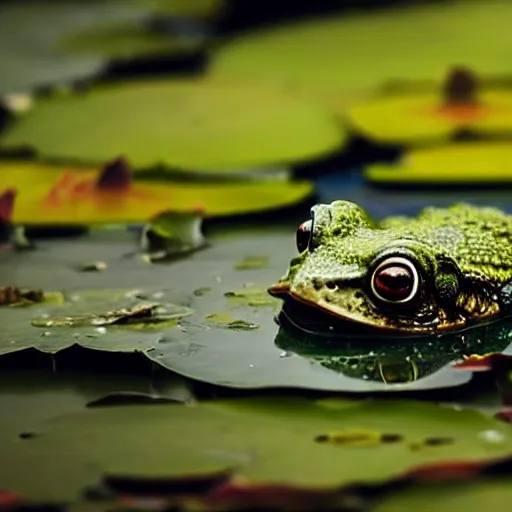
(252, 263)
(138, 315)
(95, 266)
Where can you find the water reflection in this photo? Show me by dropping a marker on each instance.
(391, 360)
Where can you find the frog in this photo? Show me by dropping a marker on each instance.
(445, 270)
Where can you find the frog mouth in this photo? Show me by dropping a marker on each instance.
(313, 320)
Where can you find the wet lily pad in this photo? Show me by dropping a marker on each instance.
(144, 314)
(272, 357)
(202, 125)
(268, 440)
(56, 194)
(355, 52)
(461, 163)
(109, 320)
(424, 119)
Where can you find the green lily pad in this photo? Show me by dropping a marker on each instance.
(107, 320)
(124, 41)
(267, 439)
(337, 56)
(201, 125)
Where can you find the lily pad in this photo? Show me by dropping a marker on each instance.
(105, 320)
(268, 440)
(338, 57)
(125, 41)
(423, 119)
(202, 125)
(462, 163)
(56, 194)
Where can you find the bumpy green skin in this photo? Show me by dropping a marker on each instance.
(463, 253)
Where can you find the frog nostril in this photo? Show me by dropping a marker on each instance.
(331, 285)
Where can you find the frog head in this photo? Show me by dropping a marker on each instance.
(355, 277)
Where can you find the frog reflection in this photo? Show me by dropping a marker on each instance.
(396, 361)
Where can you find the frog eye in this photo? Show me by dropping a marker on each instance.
(303, 235)
(395, 280)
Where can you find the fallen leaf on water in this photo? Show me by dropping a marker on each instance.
(252, 262)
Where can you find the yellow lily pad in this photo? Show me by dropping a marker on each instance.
(354, 52)
(59, 195)
(464, 163)
(124, 41)
(189, 124)
(421, 118)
